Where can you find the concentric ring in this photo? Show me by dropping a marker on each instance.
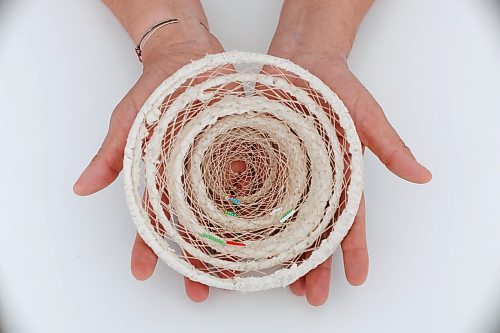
(288, 207)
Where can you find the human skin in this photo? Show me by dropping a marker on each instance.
(315, 34)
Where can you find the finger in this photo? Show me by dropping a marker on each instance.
(108, 162)
(381, 138)
(299, 287)
(143, 259)
(196, 291)
(318, 283)
(354, 249)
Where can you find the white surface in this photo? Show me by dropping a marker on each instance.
(64, 260)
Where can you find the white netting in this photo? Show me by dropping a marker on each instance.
(243, 171)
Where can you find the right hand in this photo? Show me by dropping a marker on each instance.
(165, 52)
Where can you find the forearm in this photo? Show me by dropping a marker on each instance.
(330, 22)
(137, 16)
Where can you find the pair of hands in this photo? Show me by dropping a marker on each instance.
(172, 49)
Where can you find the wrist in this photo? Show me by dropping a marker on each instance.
(329, 26)
(176, 38)
(137, 17)
(189, 23)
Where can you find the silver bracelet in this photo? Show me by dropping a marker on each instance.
(147, 34)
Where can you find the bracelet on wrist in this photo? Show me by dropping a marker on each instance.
(150, 31)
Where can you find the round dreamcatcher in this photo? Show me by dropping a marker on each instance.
(243, 171)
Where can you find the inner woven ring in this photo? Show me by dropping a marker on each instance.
(284, 245)
(296, 166)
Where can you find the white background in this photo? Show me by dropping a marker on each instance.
(435, 249)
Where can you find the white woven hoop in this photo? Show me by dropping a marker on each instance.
(281, 247)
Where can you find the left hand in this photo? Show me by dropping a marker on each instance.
(329, 63)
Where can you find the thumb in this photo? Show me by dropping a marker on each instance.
(108, 162)
(381, 138)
